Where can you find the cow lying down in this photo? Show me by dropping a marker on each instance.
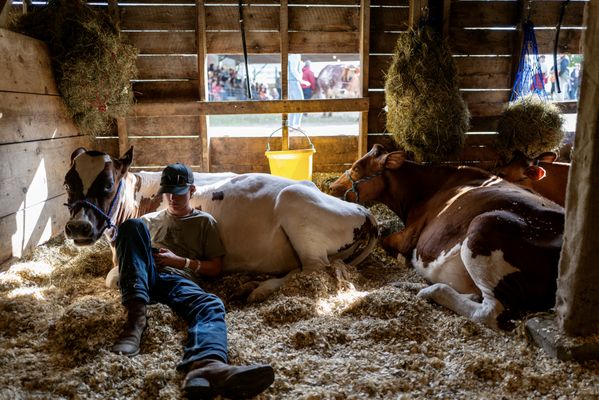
(489, 248)
(268, 224)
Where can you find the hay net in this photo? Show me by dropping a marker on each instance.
(529, 77)
(426, 113)
(93, 67)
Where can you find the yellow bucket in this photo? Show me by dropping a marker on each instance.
(291, 164)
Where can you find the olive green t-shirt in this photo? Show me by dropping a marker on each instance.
(194, 236)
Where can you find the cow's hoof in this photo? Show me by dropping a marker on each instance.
(243, 292)
(258, 296)
(409, 286)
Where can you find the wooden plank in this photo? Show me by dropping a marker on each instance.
(31, 227)
(417, 8)
(248, 107)
(299, 42)
(247, 154)
(230, 43)
(167, 67)
(27, 117)
(486, 103)
(123, 135)
(180, 90)
(499, 42)
(378, 65)
(162, 42)
(324, 19)
(404, 3)
(226, 18)
(26, 65)
(164, 150)
(324, 42)
(389, 19)
(35, 172)
(163, 126)
(484, 72)
(505, 13)
(383, 42)
(377, 121)
(170, 17)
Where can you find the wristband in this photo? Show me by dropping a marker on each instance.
(187, 262)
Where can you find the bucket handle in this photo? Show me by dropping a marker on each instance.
(290, 127)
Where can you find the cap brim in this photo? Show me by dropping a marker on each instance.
(177, 190)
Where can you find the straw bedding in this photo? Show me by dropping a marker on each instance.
(329, 335)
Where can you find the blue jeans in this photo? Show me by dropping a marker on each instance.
(140, 279)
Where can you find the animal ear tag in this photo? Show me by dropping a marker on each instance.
(535, 172)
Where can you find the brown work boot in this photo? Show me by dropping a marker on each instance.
(208, 378)
(128, 342)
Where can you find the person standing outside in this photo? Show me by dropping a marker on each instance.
(294, 82)
(157, 255)
(309, 84)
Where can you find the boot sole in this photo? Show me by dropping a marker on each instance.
(198, 388)
(247, 383)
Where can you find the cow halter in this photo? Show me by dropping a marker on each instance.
(354, 184)
(106, 216)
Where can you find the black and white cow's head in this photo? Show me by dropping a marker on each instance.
(93, 185)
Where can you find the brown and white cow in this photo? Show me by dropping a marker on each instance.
(338, 81)
(268, 224)
(468, 232)
(542, 174)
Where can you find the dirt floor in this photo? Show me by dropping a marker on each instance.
(325, 339)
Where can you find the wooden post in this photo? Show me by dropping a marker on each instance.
(364, 64)
(4, 10)
(446, 18)
(121, 124)
(577, 302)
(202, 51)
(518, 40)
(284, 35)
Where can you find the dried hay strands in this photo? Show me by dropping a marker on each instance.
(92, 65)
(426, 113)
(529, 125)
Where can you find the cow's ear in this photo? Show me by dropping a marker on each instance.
(535, 173)
(126, 160)
(547, 157)
(395, 159)
(76, 153)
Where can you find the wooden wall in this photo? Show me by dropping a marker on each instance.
(481, 34)
(36, 140)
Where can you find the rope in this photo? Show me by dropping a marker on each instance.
(529, 77)
(245, 51)
(354, 184)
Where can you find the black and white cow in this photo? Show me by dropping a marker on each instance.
(268, 224)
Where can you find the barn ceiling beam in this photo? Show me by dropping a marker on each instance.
(191, 108)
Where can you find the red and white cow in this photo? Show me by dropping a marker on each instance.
(338, 81)
(542, 174)
(268, 224)
(468, 232)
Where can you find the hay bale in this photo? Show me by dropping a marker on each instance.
(529, 125)
(426, 113)
(92, 65)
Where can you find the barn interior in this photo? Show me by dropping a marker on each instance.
(371, 340)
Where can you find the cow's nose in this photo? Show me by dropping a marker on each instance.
(75, 229)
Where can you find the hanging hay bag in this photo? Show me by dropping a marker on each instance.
(92, 66)
(426, 113)
(529, 125)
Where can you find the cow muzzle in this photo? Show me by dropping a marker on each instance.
(81, 232)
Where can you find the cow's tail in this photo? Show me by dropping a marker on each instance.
(367, 240)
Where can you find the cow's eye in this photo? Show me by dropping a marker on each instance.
(67, 187)
(108, 186)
